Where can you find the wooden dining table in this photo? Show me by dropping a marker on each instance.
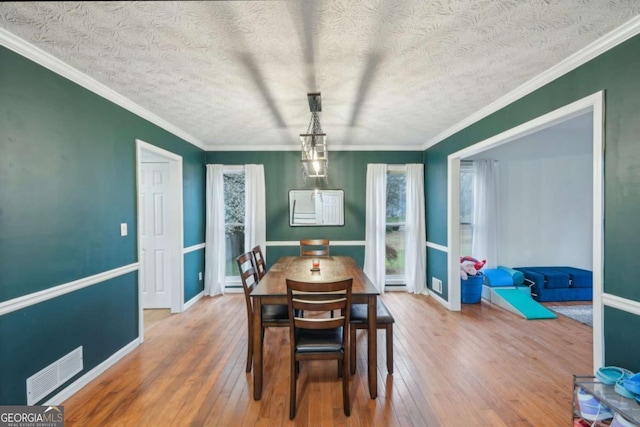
(272, 289)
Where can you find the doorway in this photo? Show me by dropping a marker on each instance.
(593, 104)
(159, 230)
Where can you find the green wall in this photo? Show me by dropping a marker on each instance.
(617, 73)
(347, 171)
(193, 264)
(67, 181)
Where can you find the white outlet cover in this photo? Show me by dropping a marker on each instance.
(123, 229)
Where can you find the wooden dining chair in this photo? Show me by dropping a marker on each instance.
(316, 337)
(359, 320)
(314, 247)
(272, 315)
(261, 266)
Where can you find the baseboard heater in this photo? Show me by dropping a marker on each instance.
(40, 384)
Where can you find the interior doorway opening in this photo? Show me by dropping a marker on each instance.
(159, 230)
(593, 104)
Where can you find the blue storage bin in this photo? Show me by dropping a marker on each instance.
(471, 289)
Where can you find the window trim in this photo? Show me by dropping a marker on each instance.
(231, 169)
(397, 169)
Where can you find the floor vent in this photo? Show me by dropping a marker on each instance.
(53, 376)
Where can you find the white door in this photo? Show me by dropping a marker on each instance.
(331, 209)
(154, 241)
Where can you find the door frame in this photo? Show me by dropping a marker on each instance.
(592, 103)
(176, 229)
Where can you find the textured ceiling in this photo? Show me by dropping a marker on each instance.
(391, 73)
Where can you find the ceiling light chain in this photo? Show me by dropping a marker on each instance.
(314, 154)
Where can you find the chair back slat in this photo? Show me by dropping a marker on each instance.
(314, 247)
(248, 275)
(261, 266)
(316, 298)
(319, 305)
(323, 323)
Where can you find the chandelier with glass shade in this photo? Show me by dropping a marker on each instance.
(314, 155)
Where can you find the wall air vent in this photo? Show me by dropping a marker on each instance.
(53, 376)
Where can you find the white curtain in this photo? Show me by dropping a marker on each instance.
(214, 255)
(484, 243)
(375, 226)
(415, 256)
(255, 232)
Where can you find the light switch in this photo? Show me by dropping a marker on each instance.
(123, 229)
(200, 275)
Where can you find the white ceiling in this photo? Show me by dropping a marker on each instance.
(393, 74)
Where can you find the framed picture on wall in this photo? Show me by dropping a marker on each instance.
(313, 208)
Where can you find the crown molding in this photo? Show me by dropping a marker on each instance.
(37, 55)
(330, 147)
(598, 47)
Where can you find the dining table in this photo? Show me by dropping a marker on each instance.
(272, 289)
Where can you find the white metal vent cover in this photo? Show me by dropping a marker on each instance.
(53, 376)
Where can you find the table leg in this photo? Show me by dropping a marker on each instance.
(372, 357)
(257, 348)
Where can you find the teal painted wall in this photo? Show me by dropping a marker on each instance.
(347, 171)
(67, 181)
(193, 264)
(615, 72)
(622, 335)
(437, 267)
(102, 319)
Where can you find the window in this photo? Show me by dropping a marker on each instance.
(395, 224)
(233, 220)
(466, 207)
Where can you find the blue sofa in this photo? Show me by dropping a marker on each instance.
(559, 283)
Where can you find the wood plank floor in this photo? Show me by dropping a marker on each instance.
(153, 316)
(482, 366)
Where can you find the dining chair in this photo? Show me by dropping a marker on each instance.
(272, 315)
(314, 247)
(359, 320)
(318, 337)
(261, 266)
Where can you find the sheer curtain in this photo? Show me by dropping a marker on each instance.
(375, 226)
(255, 232)
(484, 243)
(214, 253)
(415, 257)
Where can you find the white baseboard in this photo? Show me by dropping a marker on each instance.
(77, 385)
(193, 300)
(441, 300)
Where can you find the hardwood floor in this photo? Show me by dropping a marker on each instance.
(154, 316)
(482, 366)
